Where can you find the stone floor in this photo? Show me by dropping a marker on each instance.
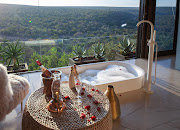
(139, 110)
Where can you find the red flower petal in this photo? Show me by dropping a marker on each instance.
(67, 97)
(97, 90)
(82, 115)
(88, 120)
(95, 102)
(83, 88)
(77, 83)
(93, 118)
(90, 96)
(92, 89)
(87, 107)
(88, 112)
(82, 93)
(98, 108)
(78, 80)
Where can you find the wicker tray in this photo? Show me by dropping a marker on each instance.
(37, 116)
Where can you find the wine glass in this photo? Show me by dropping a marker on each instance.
(78, 87)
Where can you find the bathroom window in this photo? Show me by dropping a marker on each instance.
(165, 24)
(51, 29)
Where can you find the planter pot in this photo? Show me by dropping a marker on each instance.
(122, 57)
(85, 60)
(23, 67)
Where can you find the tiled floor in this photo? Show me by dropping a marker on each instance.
(139, 110)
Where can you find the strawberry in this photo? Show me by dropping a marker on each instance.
(83, 88)
(92, 89)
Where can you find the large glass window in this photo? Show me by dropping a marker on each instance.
(52, 31)
(165, 23)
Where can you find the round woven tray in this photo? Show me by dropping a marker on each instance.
(37, 116)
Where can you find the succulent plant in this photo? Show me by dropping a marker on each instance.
(13, 52)
(126, 46)
(79, 51)
(98, 50)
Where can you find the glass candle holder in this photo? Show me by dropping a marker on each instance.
(55, 87)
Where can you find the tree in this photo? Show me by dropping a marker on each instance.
(52, 58)
(32, 64)
(1, 54)
(64, 60)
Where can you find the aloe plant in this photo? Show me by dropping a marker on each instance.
(98, 50)
(12, 52)
(79, 51)
(126, 46)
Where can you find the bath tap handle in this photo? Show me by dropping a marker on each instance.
(152, 27)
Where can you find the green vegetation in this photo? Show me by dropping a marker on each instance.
(65, 22)
(126, 46)
(74, 28)
(164, 25)
(49, 59)
(98, 50)
(13, 52)
(79, 51)
(1, 54)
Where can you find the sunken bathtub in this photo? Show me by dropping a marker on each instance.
(122, 86)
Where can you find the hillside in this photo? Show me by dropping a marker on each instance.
(32, 22)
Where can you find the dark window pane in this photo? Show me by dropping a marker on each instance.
(164, 24)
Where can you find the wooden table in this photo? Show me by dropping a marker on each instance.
(37, 116)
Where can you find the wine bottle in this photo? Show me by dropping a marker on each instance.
(44, 70)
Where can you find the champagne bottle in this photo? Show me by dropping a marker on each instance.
(75, 72)
(71, 79)
(44, 70)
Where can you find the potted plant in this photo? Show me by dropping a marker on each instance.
(98, 50)
(126, 49)
(79, 52)
(12, 53)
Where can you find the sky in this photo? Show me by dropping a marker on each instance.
(110, 3)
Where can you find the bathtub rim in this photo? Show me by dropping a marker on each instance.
(135, 67)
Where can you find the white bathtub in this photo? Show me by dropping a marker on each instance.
(119, 86)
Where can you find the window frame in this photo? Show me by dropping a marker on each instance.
(147, 10)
